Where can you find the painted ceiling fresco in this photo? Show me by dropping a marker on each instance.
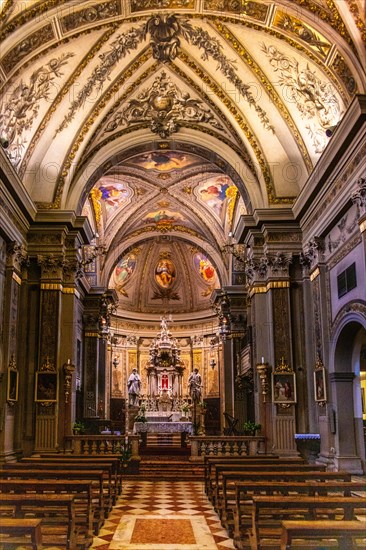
(164, 121)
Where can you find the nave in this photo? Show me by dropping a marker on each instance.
(161, 515)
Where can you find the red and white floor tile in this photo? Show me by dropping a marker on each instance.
(163, 515)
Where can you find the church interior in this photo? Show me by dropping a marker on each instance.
(182, 274)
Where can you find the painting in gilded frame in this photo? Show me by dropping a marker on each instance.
(284, 387)
(12, 386)
(46, 387)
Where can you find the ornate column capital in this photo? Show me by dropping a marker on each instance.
(313, 253)
(358, 196)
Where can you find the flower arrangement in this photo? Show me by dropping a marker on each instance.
(185, 407)
(125, 452)
(140, 417)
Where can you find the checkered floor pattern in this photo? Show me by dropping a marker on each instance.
(163, 499)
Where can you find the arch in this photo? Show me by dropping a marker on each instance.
(348, 338)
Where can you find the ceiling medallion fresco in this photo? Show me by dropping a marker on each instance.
(165, 273)
(206, 271)
(165, 107)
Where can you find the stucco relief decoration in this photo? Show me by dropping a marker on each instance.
(19, 110)
(342, 231)
(165, 32)
(139, 5)
(304, 32)
(123, 272)
(252, 9)
(358, 196)
(315, 99)
(165, 108)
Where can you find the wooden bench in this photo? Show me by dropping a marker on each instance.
(240, 512)
(21, 531)
(217, 482)
(57, 513)
(115, 460)
(210, 463)
(95, 478)
(343, 532)
(269, 511)
(109, 478)
(226, 490)
(86, 517)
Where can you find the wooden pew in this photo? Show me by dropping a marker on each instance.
(86, 516)
(109, 481)
(210, 463)
(344, 532)
(269, 511)
(226, 492)
(94, 477)
(241, 510)
(57, 513)
(115, 460)
(16, 532)
(219, 469)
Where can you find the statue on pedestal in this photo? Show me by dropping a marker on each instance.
(195, 386)
(134, 388)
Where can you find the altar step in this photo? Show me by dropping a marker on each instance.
(174, 469)
(163, 439)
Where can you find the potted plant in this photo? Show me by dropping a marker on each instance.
(78, 427)
(250, 427)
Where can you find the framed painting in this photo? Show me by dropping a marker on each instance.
(283, 387)
(12, 386)
(320, 389)
(46, 387)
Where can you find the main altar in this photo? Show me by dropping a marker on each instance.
(164, 407)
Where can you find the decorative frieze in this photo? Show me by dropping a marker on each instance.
(91, 14)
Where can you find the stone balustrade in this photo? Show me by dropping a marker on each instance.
(201, 446)
(225, 445)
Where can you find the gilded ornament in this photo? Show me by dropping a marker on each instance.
(91, 14)
(165, 107)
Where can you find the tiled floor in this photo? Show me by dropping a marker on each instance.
(176, 512)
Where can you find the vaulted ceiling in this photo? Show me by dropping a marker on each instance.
(165, 120)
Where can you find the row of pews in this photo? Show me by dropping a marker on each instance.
(271, 502)
(57, 500)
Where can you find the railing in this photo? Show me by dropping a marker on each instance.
(201, 446)
(226, 445)
(100, 444)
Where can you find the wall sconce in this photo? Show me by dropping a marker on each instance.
(115, 362)
(262, 369)
(212, 363)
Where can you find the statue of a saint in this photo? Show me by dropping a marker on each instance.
(134, 387)
(195, 386)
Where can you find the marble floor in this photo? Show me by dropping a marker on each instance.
(162, 515)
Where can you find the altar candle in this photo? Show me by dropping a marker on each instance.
(262, 360)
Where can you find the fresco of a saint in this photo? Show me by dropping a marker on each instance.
(165, 273)
(213, 193)
(123, 271)
(204, 267)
